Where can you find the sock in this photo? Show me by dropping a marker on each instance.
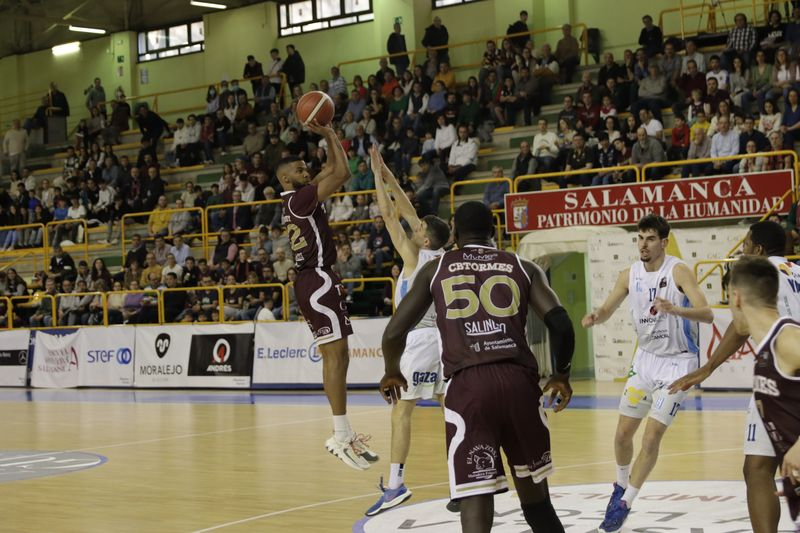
(623, 474)
(341, 428)
(542, 517)
(630, 495)
(396, 475)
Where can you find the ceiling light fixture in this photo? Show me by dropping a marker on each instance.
(68, 48)
(212, 5)
(87, 30)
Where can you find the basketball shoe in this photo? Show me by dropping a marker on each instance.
(389, 498)
(346, 452)
(615, 517)
(360, 446)
(616, 495)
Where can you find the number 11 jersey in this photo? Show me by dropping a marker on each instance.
(310, 236)
(481, 299)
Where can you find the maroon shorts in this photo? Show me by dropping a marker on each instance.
(489, 407)
(319, 294)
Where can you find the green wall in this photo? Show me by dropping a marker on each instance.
(568, 279)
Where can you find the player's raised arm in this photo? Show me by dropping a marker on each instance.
(730, 343)
(331, 178)
(404, 206)
(613, 301)
(407, 250)
(546, 305)
(406, 316)
(699, 311)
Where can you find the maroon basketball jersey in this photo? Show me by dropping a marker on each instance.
(310, 235)
(481, 300)
(777, 395)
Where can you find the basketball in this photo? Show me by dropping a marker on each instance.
(315, 105)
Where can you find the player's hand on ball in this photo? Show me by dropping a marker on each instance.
(560, 392)
(689, 380)
(319, 129)
(791, 464)
(589, 320)
(391, 385)
(663, 306)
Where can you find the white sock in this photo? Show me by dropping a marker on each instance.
(396, 475)
(341, 428)
(623, 474)
(630, 495)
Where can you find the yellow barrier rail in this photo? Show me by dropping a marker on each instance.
(466, 183)
(9, 317)
(68, 223)
(80, 295)
(568, 173)
(245, 287)
(726, 8)
(33, 302)
(203, 235)
(24, 253)
(148, 294)
(719, 264)
(220, 207)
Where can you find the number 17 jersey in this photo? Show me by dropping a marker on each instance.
(481, 295)
(310, 236)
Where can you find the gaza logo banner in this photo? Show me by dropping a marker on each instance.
(710, 198)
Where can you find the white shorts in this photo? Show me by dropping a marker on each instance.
(647, 387)
(421, 365)
(756, 439)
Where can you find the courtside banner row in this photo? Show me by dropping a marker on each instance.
(737, 371)
(194, 356)
(14, 357)
(711, 198)
(285, 354)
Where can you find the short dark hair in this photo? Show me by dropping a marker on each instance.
(437, 230)
(288, 160)
(758, 277)
(250, 57)
(655, 223)
(712, 58)
(523, 12)
(474, 219)
(275, 50)
(769, 235)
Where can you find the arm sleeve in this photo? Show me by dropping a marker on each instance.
(562, 338)
(305, 201)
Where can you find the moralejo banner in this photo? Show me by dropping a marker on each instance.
(285, 354)
(709, 198)
(737, 371)
(14, 357)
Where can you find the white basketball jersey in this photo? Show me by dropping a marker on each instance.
(661, 334)
(789, 287)
(405, 281)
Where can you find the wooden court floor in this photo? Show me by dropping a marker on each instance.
(237, 462)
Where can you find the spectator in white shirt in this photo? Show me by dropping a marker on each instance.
(724, 143)
(171, 266)
(105, 199)
(693, 54)
(463, 156)
(337, 83)
(545, 147)
(653, 127)
(274, 69)
(179, 249)
(15, 144)
(341, 209)
(445, 136)
(715, 71)
(180, 139)
(76, 211)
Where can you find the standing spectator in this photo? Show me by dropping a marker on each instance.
(57, 104)
(520, 26)
(15, 144)
(463, 155)
(651, 38)
(337, 84)
(96, 96)
(568, 54)
(253, 69)
(396, 44)
(494, 192)
(790, 125)
(294, 67)
(647, 150)
(274, 70)
(724, 143)
(741, 42)
(436, 35)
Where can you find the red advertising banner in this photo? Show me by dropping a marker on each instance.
(709, 198)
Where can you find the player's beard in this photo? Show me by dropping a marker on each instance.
(296, 184)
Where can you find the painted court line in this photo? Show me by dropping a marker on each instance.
(372, 494)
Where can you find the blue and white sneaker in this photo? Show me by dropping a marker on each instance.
(389, 498)
(615, 517)
(616, 495)
(360, 446)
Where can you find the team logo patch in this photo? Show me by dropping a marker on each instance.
(635, 396)
(162, 344)
(662, 507)
(482, 458)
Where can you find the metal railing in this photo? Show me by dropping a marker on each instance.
(69, 223)
(148, 294)
(5, 301)
(567, 173)
(79, 295)
(203, 234)
(719, 264)
(33, 302)
(23, 253)
(756, 10)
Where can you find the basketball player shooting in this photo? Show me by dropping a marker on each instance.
(421, 361)
(493, 400)
(754, 292)
(660, 287)
(764, 239)
(318, 288)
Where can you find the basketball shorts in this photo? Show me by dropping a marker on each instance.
(488, 408)
(756, 439)
(421, 365)
(320, 297)
(647, 388)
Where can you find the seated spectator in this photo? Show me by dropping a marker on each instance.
(670, 66)
(253, 141)
(282, 264)
(607, 157)
(652, 93)
(652, 126)
(580, 157)
(724, 143)
(785, 75)
(158, 222)
(545, 148)
(647, 150)
(524, 165)
(741, 42)
(607, 107)
(588, 115)
(651, 38)
(431, 185)
(495, 191)
(172, 267)
(690, 81)
(363, 179)
(681, 138)
(43, 312)
(569, 112)
(777, 161)
(748, 165)
(750, 133)
(180, 222)
(226, 248)
(700, 122)
(507, 103)
(491, 58)
(714, 96)
(567, 54)
(160, 250)
(773, 35)
(790, 124)
(463, 156)
(348, 266)
(151, 268)
(380, 250)
(770, 119)
(758, 83)
(716, 71)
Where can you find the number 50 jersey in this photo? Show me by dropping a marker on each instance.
(481, 299)
(310, 235)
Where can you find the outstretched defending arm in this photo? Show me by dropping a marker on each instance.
(331, 178)
(404, 246)
(604, 312)
(699, 311)
(404, 206)
(730, 343)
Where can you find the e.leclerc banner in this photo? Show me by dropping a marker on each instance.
(708, 198)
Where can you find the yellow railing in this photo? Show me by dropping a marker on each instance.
(246, 286)
(458, 184)
(691, 17)
(203, 235)
(719, 264)
(9, 316)
(79, 295)
(68, 222)
(24, 253)
(148, 293)
(583, 39)
(567, 173)
(31, 302)
(233, 231)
